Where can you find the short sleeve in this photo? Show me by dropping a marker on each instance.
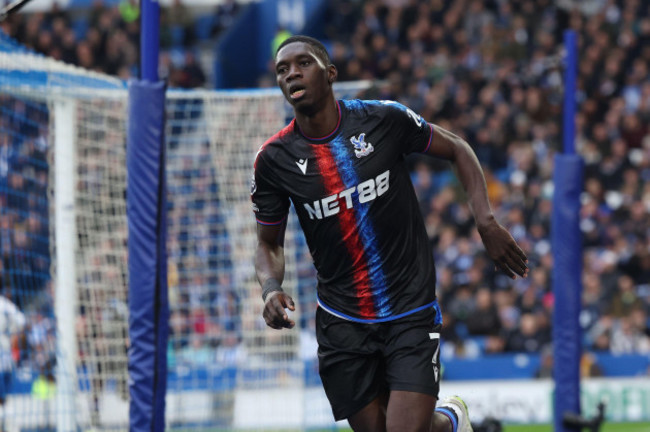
(416, 132)
(270, 204)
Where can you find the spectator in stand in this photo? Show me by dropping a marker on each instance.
(546, 363)
(589, 366)
(225, 16)
(629, 334)
(230, 351)
(528, 337)
(484, 319)
(196, 353)
(625, 299)
(179, 17)
(191, 74)
(129, 10)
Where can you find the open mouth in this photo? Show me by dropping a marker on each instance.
(296, 93)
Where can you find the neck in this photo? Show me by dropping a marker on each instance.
(320, 123)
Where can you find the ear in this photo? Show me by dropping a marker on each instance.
(332, 73)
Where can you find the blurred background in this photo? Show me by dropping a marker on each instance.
(490, 71)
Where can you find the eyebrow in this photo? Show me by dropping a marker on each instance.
(299, 57)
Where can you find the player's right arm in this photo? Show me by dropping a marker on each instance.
(269, 267)
(271, 206)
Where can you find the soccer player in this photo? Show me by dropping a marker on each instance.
(378, 323)
(12, 324)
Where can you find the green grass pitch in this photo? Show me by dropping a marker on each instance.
(607, 427)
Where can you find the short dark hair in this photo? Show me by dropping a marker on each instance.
(318, 46)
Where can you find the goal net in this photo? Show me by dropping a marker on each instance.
(64, 257)
(62, 179)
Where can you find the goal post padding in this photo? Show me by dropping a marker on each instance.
(146, 215)
(566, 238)
(567, 285)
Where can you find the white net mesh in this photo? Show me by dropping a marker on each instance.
(72, 349)
(100, 258)
(226, 369)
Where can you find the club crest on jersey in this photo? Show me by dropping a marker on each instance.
(361, 147)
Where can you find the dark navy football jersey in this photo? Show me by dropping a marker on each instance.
(357, 207)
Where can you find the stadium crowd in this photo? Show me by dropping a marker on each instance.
(105, 37)
(489, 71)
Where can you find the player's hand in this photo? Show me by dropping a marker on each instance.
(275, 313)
(504, 251)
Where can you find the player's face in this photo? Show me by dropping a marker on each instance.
(303, 77)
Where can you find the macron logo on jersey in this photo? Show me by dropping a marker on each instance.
(331, 205)
(302, 164)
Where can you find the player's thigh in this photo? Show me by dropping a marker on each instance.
(413, 355)
(409, 411)
(372, 417)
(350, 364)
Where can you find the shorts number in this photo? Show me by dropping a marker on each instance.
(434, 360)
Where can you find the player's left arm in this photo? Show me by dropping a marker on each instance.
(500, 245)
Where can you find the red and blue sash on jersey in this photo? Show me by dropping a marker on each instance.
(337, 170)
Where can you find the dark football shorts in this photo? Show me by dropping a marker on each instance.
(358, 362)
